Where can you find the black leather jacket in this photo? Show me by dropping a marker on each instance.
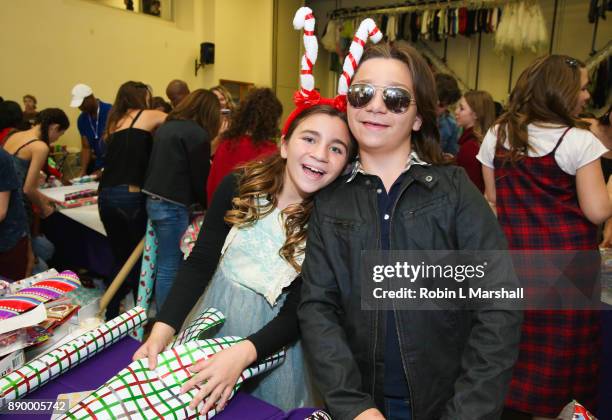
(458, 364)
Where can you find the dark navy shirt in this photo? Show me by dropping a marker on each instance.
(395, 381)
(14, 226)
(395, 384)
(93, 129)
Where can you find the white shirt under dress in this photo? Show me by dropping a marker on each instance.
(579, 147)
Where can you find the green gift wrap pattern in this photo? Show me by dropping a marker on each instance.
(137, 392)
(208, 319)
(43, 369)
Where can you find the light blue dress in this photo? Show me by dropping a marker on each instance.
(246, 288)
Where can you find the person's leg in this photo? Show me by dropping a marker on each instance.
(43, 247)
(169, 222)
(124, 219)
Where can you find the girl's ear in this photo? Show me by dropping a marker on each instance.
(283, 147)
(418, 121)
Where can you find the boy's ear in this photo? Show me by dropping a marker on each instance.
(418, 121)
(283, 147)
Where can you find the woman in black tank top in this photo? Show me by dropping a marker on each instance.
(121, 203)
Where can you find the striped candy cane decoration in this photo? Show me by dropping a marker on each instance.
(306, 20)
(367, 29)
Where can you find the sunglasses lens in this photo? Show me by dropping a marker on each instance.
(359, 95)
(397, 100)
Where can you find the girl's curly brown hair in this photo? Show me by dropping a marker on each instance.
(258, 116)
(264, 179)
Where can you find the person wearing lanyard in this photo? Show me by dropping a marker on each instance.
(91, 123)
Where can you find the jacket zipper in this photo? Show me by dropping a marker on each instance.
(375, 329)
(399, 341)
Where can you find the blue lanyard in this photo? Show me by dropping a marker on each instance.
(96, 134)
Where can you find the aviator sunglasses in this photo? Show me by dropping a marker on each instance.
(396, 99)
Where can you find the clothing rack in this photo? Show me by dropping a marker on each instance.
(599, 56)
(417, 6)
(439, 64)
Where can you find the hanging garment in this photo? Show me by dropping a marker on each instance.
(444, 23)
(469, 25)
(463, 20)
(527, 16)
(384, 21)
(435, 26)
(331, 36)
(483, 25)
(401, 21)
(424, 24)
(392, 28)
(415, 29)
(456, 22)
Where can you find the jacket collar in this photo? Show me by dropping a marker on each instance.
(413, 159)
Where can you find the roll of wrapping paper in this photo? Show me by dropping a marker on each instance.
(79, 202)
(148, 271)
(84, 179)
(137, 392)
(42, 291)
(80, 194)
(47, 367)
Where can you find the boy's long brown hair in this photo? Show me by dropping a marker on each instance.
(546, 92)
(426, 141)
(265, 180)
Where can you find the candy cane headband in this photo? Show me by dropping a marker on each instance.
(307, 96)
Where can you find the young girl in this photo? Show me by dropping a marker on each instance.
(396, 364)
(176, 178)
(121, 203)
(543, 175)
(250, 253)
(252, 249)
(251, 134)
(475, 113)
(30, 149)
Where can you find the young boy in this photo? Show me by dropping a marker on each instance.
(403, 364)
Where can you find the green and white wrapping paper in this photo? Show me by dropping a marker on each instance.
(137, 392)
(47, 367)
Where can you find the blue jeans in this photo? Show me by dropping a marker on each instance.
(43, 249)
(124, 218)
(169, 222)
(397, 409)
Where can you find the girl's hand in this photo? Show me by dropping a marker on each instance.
(160, 336)
(219, 375)
(47, 209)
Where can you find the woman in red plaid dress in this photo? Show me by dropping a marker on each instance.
(543, 176)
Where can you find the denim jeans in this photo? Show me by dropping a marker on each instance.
(124, 218)
(169, 221)
(43, 249)
(397, 409)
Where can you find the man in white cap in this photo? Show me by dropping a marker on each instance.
(91, 124)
